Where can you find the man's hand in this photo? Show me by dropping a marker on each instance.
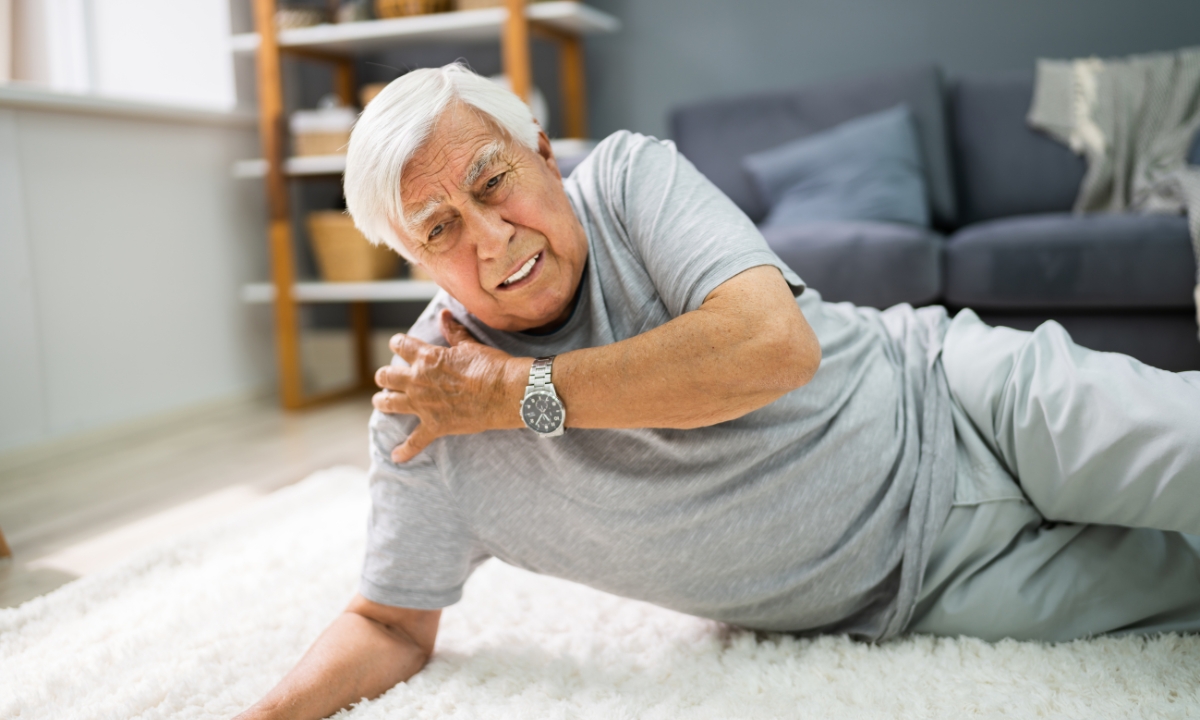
(466, 388)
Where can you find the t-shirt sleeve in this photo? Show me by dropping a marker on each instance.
(690, 237)
(420, 550)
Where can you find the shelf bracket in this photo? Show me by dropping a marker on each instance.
(516, 49)
(572, 77)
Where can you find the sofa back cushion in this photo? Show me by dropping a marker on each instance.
(716, 135)
(1006, 168)
(868, 168)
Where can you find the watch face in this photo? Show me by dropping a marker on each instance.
(542, 412)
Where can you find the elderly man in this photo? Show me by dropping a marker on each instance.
(621, 385)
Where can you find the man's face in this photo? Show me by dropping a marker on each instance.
(489, 220)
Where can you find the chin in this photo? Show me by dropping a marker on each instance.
(534, 313)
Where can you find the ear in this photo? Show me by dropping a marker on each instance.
(547, 154)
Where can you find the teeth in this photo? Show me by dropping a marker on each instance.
(523, 272)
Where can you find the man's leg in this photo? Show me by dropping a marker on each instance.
(1091, 437)
(1097, 440)
(1000, 570)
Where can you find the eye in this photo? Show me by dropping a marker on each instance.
(437, 230)
(494, 181)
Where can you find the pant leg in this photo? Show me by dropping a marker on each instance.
(1091, 437)
(1000, 570)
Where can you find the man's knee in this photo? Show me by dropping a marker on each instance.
(979, 361)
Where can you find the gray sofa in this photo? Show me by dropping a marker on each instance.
(1004, 241)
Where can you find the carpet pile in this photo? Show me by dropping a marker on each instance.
(202, 626)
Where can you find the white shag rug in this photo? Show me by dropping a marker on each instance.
(203, 626)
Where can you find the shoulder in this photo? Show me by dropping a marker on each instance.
(626, 176)
(622, 150)
(625, 143)
(426, 328)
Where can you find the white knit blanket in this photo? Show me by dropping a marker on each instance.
(1134, 119)
(202, 626)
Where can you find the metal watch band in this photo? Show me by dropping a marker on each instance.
(539, 373)
(541, 410)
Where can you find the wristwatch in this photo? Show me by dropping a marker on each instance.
(541, 409)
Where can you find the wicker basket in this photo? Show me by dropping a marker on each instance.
(477, 4)
(401, 8)
(330, 143)
(324, 131)
(289, 18)
(343, 254)
(481, 4)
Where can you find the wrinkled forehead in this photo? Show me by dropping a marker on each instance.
(427, 191)
(460, 148)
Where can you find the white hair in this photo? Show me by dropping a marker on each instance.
(398, 122)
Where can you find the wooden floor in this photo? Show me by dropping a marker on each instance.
(77, 507)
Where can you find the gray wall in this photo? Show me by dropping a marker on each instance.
(677, 51)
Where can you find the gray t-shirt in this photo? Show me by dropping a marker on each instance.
(814, 513)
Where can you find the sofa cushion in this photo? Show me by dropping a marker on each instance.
(866, 263)
(868, 168)
(1062, 260)
(1006, 168)
(568, 163)
(716, 135)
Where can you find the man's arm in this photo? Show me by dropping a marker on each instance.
(368, 649)
(747, 345)
(744, 347)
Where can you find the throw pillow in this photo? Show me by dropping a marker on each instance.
(868, 168)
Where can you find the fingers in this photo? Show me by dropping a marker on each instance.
(453, 330)
(420, 438)
(391, 377)
(393, 403)
(406, 346)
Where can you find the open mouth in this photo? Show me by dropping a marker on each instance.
(523, 273)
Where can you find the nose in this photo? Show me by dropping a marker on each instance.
(493, 234)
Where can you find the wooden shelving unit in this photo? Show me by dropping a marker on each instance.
(564, 23)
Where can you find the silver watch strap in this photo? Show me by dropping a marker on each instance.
(539, 374)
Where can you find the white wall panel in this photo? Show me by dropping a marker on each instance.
(22, 416)
(139, 240)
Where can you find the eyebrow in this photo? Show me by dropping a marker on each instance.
(418, 218)
(481, 163)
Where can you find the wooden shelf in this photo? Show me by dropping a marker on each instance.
(464, 25)
(331, 292)
(315, 165)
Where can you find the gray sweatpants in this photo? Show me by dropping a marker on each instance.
(1077, 496)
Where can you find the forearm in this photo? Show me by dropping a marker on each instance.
(743, 348)
(354, 658)
(700, 369)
